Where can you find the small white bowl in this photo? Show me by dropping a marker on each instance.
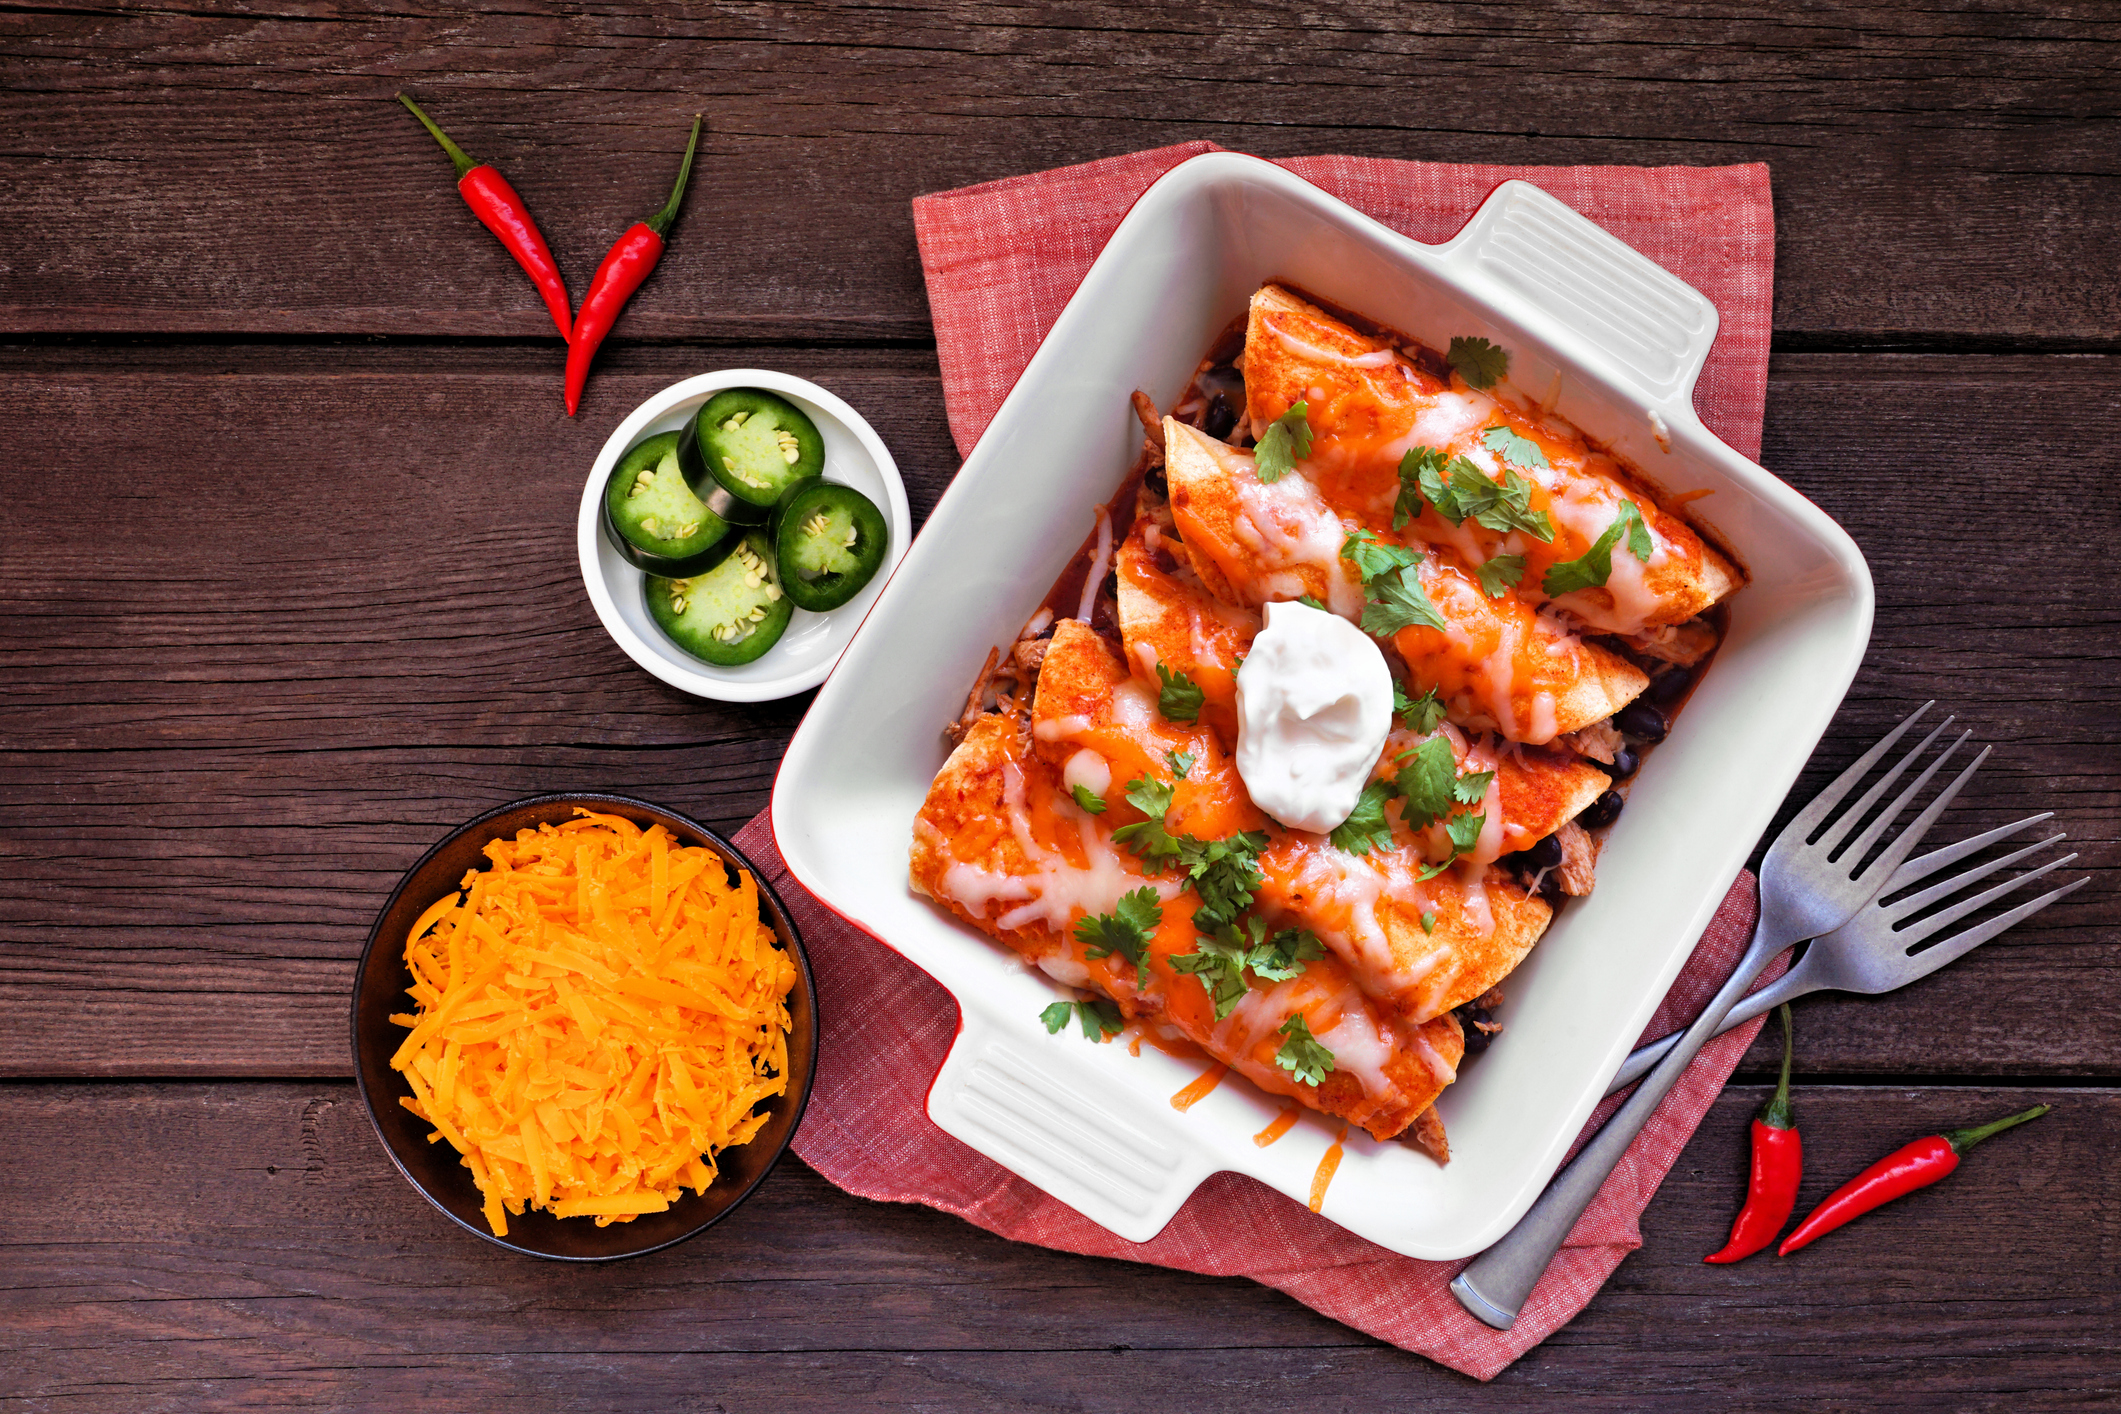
(854, 456)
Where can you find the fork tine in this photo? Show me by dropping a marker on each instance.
(1850, 818)
(1953, 948)
(1826, 800)
(1916, 870)
(1884, 865)
(1936, 892)
(1914, 933)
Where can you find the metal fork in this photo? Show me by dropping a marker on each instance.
(1866, 955)
(1810, 884)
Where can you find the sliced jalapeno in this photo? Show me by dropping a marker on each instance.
(830, 540)
(654, 520)
(750, 446)
(730, 614)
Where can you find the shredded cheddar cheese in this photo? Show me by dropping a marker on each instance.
(600, 1012)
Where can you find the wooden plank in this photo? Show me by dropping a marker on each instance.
(312, 688)
(1943, 174)
(266, 1253)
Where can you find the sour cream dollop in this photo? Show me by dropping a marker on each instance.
(1314, 705)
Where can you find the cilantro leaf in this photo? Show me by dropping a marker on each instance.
(1516, 450)
(1398, 601)
(1179, 700)
(1465, 831)
(1151, 797)
(1428, 921)
(1416, 714)
(1366, 827)
(1427, 783)
(1301, 1055)
(1419, 469)
(1429, 871)
(1092, 803)
(1595, 566)
(1150, 842)
(1284, 955)
(1126, 930)
(1479, 362)
(1286, 439)
(1503, 505)
(1372, 557)
(1499, 574)
(1180, 762)
(1099, 1018)
(1220, 964)
(1639, 544)
(1310, 601)
(1472, 787)
(1225, 873)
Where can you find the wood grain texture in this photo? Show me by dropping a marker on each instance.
(1944, 174)
(220, 754)
(216, 1238)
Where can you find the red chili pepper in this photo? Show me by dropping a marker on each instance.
(625, 265)
(1903, 1171)
(1778, 1165)
(495, 202)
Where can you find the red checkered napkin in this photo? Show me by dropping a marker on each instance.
(1001, 260)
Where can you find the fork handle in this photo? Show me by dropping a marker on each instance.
(1495, 1284)
(1786, 988)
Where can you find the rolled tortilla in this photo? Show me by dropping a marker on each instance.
(1499, 664)
(1368, 406)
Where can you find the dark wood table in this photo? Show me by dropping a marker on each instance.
(289, 590)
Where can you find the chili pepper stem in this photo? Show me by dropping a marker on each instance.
(660, 222)
(1777, 1113)
(1962, 1140)
(456, 154)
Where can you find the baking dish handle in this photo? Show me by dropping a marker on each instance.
(1060, 1126)
(1554, 267)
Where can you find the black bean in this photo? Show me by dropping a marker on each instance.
(1602, 811)
(1156, 481)
(1470, 1018)
(1644, 721)
(1544, 855)
(1623, 765)
(1220, 417)
(1668, 688)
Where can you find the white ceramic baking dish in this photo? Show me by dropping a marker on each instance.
(1093, 1125)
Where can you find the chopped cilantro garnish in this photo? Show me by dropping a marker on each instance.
(1309, 601)
(1286, 439)
(1479, 362)
(1499, 574)
(1398, 601)
(1126, 930)
(1465, 831)
(1472, 787)
(1516, 450)
(1428, 921)
(1372, 557)
(1419, 467)
(1301, 1055)
(1225, 873)
(1179, 700)
(1366, 827)
(1099, 1018)
(1426, 781)
(1595, 566)
(1503, 505)
(1180, 762)
(1151, 797)
(1083, 797)
(1220, 961)
(1417, 714)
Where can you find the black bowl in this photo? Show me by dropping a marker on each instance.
(436, 1169)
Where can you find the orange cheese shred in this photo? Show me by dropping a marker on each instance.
(599, 1014)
